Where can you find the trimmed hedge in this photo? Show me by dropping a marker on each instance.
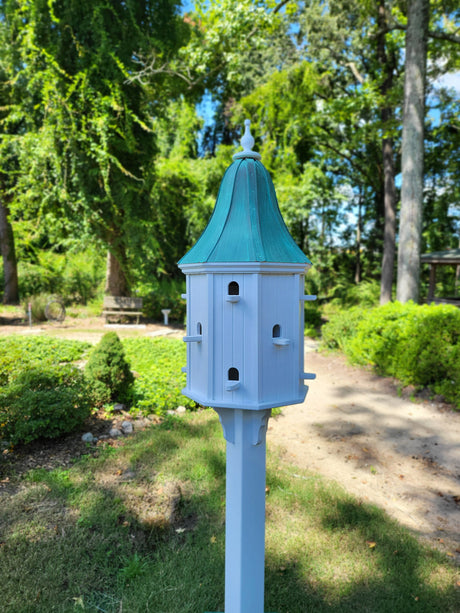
(419, 345)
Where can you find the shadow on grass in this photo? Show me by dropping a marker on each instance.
(78, 539)
(396, 573)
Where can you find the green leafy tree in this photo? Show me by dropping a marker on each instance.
(90, 157)
(8, 129)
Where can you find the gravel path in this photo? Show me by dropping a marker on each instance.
(401, 455)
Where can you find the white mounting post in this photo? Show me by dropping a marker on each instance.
(245, 432)
(166, 313)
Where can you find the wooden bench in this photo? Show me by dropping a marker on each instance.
(122, 306)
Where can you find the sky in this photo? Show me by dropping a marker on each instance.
(450, 80)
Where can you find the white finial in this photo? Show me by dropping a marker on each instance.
(247, 142)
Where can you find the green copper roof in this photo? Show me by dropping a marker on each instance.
(246, 225)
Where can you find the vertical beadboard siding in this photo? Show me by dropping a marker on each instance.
(213, 330)
(240, 335)
(301, 317)
(198, 299)
(279, 297)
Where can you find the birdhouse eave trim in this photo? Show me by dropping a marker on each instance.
(245, 267)
(260, 406)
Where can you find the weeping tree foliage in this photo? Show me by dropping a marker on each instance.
(87, 154)
(8, 129)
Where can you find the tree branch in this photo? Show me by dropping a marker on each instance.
(355, 71)
(279, 6)
(452, 38)
(436, 34)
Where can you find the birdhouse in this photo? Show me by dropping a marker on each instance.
(245, 297)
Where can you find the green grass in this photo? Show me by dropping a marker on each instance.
(141, 529)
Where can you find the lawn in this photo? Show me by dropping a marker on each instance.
(140, 528)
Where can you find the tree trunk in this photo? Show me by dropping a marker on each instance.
(410, 225)
(10, 268)
(116, 283)
(389, 198)
(457, 276)
(358, 242)
(389, 232)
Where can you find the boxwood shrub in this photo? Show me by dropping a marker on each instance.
(44, 401)
(419, 345)
(109, 372)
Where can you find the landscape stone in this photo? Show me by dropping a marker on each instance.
(127, 427)
(118, 408)
(87, 437)
(114, 432)
(180, 410)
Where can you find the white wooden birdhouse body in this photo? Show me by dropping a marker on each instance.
(244, 336)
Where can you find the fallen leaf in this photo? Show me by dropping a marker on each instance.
(213, 539)
(371, 544)
(450, 554)
(366, 450)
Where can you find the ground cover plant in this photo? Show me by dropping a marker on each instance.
(158, 364)
(18, 353)
(419, 345)
(140, 528)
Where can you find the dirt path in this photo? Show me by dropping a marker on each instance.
(400, 455)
